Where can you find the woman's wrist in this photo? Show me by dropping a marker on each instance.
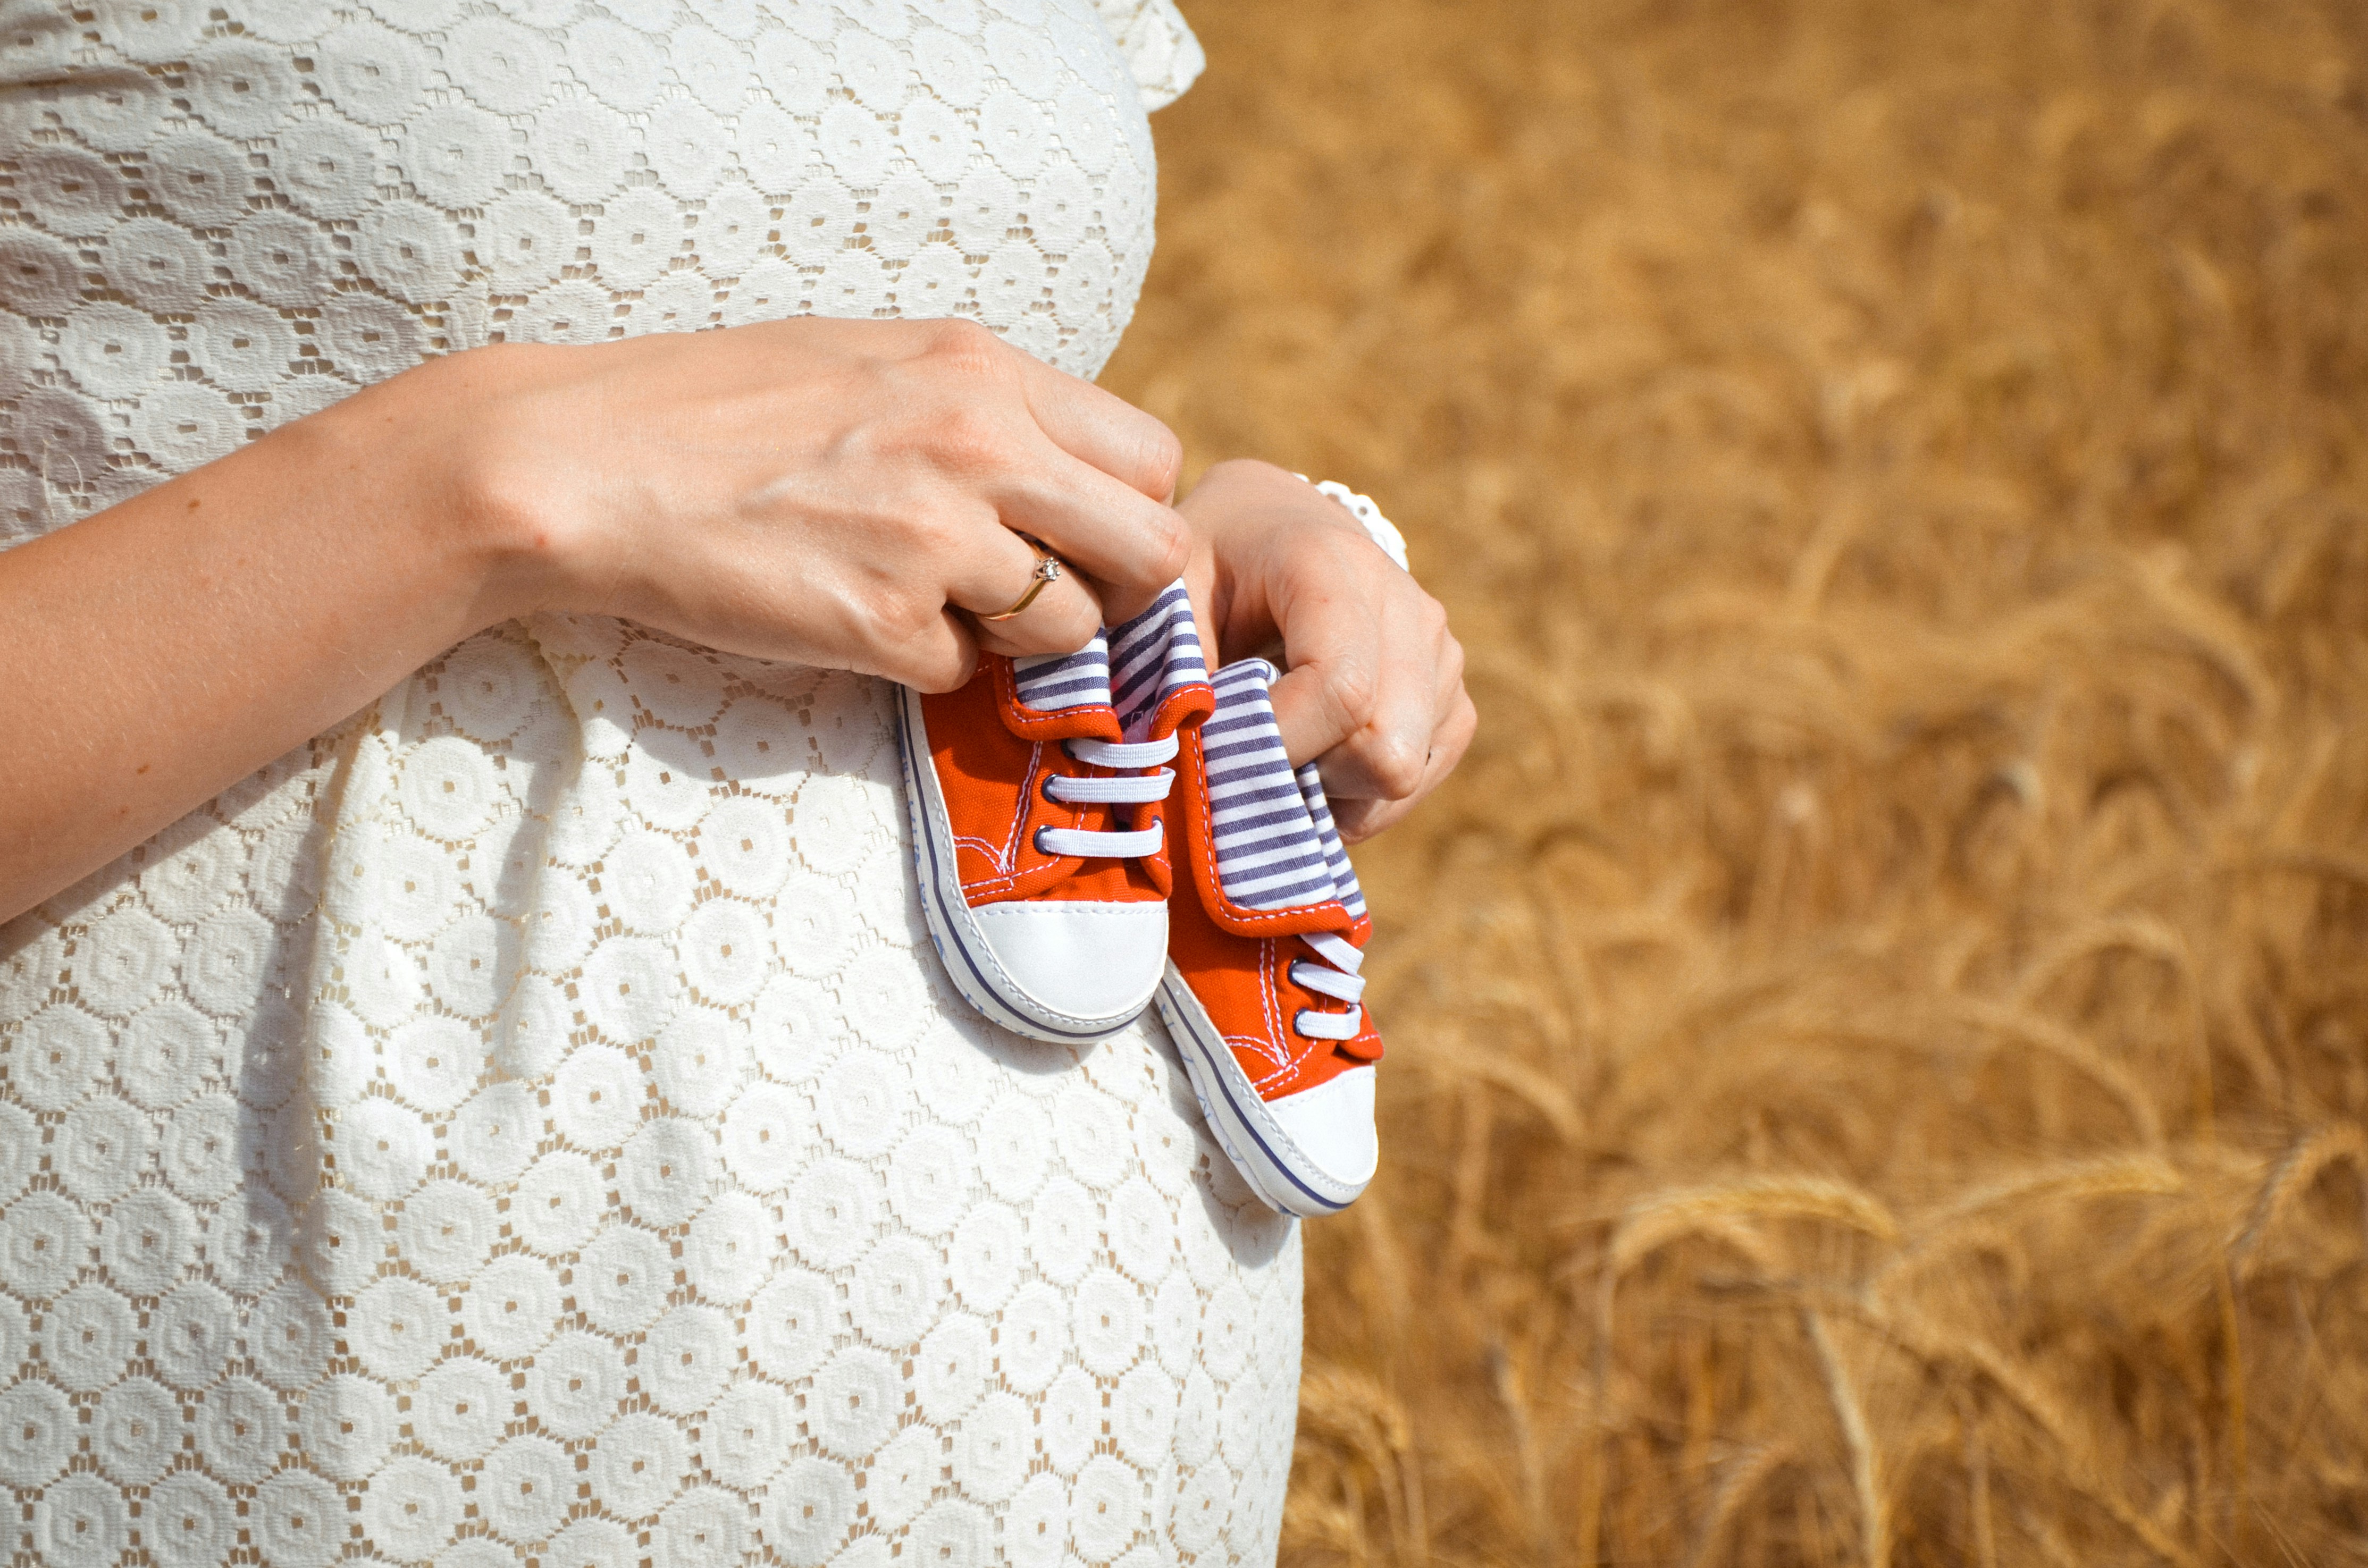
(477, 477)
(469, 491)
(1379, 528)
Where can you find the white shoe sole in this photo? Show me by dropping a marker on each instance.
(1276, 1168)
(962, 943)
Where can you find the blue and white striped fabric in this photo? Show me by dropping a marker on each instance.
(1277, 847)
(1050, 682)
(1132, 669)
(1151, 656)
(1336, 854)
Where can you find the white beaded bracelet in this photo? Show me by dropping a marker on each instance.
(1378, 528)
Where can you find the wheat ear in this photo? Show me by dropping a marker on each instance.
(1661, 1221)
(2074, 1051)
(2304, 1163)
(1742, 1482)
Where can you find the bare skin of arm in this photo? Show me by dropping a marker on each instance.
(833, 493)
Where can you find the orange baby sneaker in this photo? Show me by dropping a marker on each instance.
(1037, 797)
(1262, 992)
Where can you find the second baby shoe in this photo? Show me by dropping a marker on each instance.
(1036, 795)
(1262, 994)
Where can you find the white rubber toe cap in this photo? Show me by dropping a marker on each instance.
(1078, 959)
(1332, 1125)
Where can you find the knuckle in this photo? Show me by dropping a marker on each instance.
(943, 670)
(940, 534)
(1170, 545)
(1451, 660)
(1397, 764)
(961, 345)
(900, 619)
(1161, 463)
(968, 441)
(1353, 689)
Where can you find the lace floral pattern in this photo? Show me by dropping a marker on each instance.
(224, 218)
(528, 1122)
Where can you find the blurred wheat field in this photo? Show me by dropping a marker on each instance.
(1879, 1027)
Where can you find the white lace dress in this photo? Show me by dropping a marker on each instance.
(529, 1123)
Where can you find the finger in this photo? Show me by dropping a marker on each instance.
(1063, 620)
(991, 566)
(1364, 649)
(1358, 820)
(940, 656)
(1385, 757)
(999, 574)
(1131, 546)
(1332, 650)
(1104, 430)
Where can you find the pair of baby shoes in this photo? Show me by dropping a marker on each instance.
(1041, 797)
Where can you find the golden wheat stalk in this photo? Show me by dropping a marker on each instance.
(1467, 1059)
(1951, 416)
(1660, 1220)
(2019, 1192)
(2220, 637)
(1978, 1505)
(1866, 1467)
(1736, 1490)
(1348, 1405)
(2068, 1047)
(2077, 1453)
(1512, 1396)
(2131, 932)
(2304, 1163)
(2078, 1458)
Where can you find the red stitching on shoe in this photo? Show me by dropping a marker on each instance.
(1091, 721)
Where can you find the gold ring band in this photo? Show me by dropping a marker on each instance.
(1048, 571)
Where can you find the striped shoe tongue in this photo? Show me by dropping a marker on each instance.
(1052, 682)
(1336, 854)
(1276, 844)
(1132, 668)
(1152, 657)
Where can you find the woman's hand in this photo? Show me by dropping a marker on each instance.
(820, 491)
(1373, 681)
(837, 493)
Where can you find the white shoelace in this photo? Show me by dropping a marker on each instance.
(1336, 977)
(1134, 789)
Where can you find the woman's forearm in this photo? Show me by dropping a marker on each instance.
(156, 653)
